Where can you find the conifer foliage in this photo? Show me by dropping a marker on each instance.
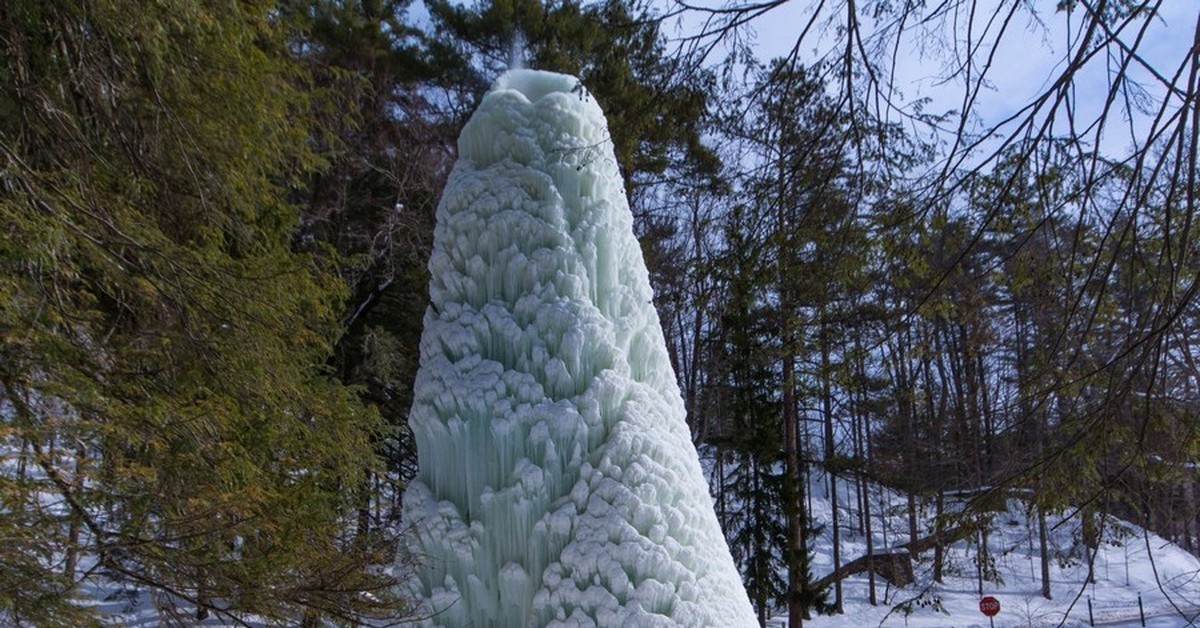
(750, 484)
(164, 408)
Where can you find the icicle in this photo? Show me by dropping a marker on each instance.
(558, 484)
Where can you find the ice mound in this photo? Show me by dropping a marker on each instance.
(558, 483)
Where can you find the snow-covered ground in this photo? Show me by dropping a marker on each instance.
(1130, 562)
(1123, 569)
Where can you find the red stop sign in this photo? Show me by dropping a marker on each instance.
(989, 606)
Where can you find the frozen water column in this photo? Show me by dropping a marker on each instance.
(558, 484)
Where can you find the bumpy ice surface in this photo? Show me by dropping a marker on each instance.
(558, 483)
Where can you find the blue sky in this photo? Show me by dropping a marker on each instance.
(1027, 58)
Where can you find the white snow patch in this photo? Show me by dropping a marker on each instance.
(1125, 565)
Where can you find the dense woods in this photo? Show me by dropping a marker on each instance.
(215, 219)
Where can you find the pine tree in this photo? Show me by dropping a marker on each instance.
(794, 131)
(748, 433)
(370, 205)
(163, 347)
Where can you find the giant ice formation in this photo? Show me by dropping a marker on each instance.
(558, 483)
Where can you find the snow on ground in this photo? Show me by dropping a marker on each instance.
(1129, 562)
(1123, 570)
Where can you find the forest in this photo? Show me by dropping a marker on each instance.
(216, 220)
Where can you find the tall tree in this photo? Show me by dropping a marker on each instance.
(791, 140)
(1145, 104)
(749, 430)
(163, 347)
(386, 148)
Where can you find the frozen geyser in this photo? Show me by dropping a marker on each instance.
(558, 484)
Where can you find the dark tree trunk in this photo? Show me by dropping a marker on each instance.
(830, 455)
(71, 560)
(1044, 546)
(797, 543)
(938, 552)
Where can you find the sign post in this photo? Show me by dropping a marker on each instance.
(990, 606)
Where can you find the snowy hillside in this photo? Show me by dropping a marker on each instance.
(1129, 562)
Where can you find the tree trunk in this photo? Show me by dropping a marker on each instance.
(796, 514)
(981, 558)
(722, 509)
(363, 524)
(71, 560)
(1091, 541)
(1044, 546)
(871, 552)
(830, 454)
(762, 604)
(911, 503)
(797, 543)
(21, 460)
(938, 552)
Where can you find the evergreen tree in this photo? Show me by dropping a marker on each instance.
(795, 135)
(385, 148)
(163, 347)
(749, 432)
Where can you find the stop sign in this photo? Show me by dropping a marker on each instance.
(989, 606)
